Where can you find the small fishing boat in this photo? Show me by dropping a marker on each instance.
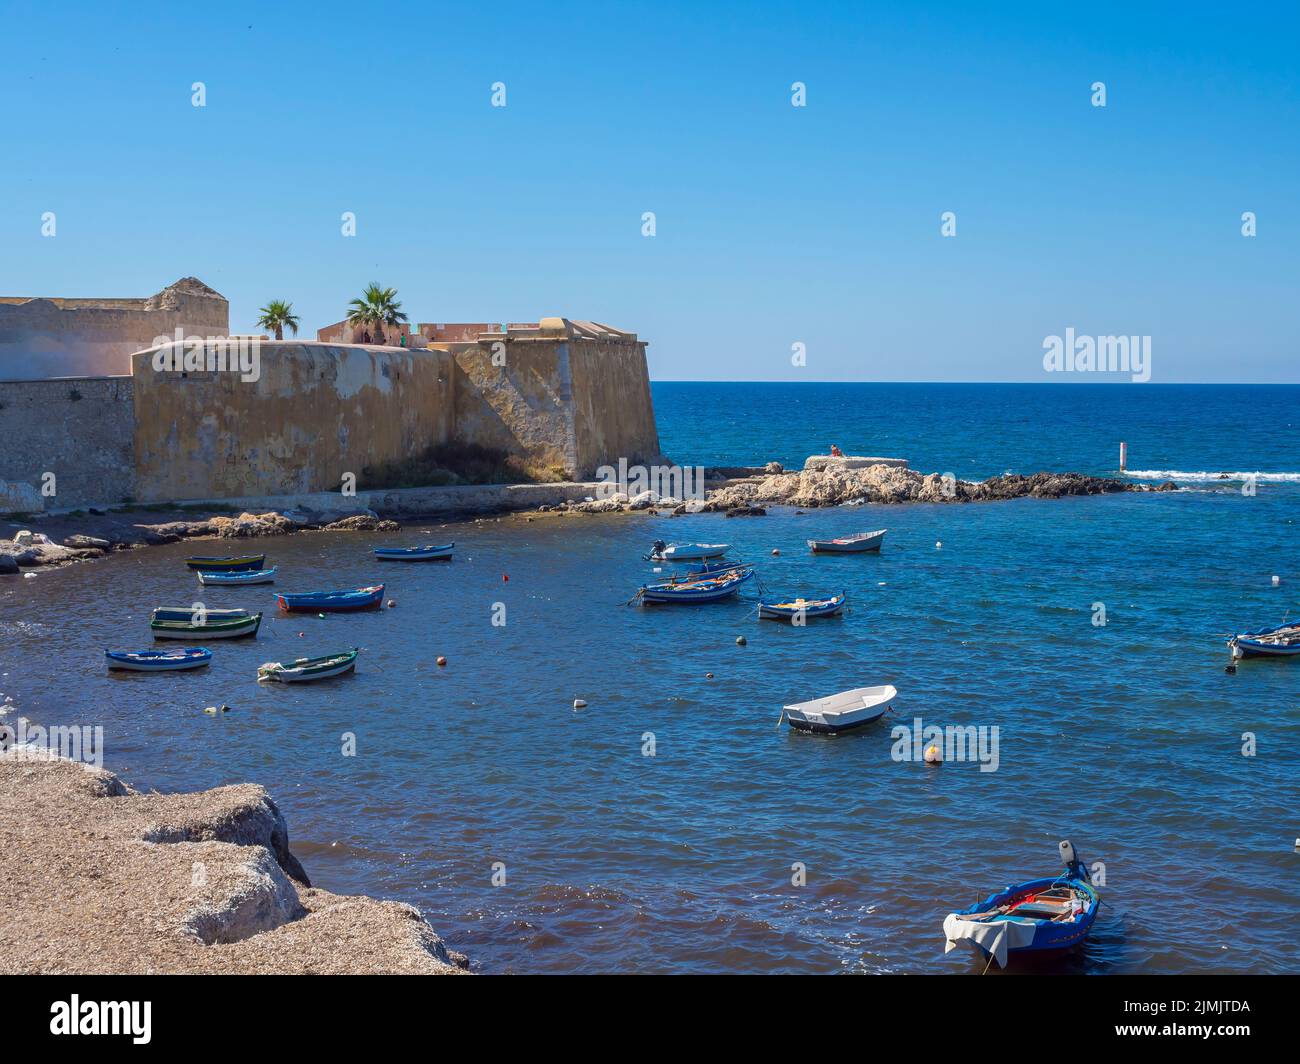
(159, 660)
(304, 670)
(702, 589)
(1039, 915)
(361, 598)
(838, 713)
(413, 554)
(226, 565)
(220, 628)
(685, 552)
(704, 568)
(1280, 641)
(237, 578)
(802, 608)
(862, 542)
(194, 613)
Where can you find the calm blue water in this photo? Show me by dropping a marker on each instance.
(1126, 738)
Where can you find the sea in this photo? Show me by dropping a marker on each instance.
(670, 823)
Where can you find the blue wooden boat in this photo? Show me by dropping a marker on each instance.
(227, 565)
(701, 589)
(802, 608)
(1282, 640)
(1031, 917)
(704, 568)
(361, 598)
(237, 578)
(414, 554)
(172, 660)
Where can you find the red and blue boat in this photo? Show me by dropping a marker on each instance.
(361, 598)
(1036, 916)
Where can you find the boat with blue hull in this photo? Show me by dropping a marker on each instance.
(800, 609)
(361, 598)
(237, 578)
(173, 660)
(1036, 916)
(1280, 641)
(702, 589)
(414, 554)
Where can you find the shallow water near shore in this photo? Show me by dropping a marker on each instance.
(1125, 738)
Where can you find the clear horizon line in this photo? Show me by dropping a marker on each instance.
(1063, 383)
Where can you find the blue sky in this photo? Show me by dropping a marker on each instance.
(775, 225)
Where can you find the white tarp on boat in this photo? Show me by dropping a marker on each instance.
(995, 936)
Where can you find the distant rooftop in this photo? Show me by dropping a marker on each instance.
(186, 286)
(424, 334)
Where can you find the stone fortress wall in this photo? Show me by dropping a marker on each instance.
(566, 396)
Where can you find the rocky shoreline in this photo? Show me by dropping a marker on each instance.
(61, 539)
(747, 492)
(101, 879)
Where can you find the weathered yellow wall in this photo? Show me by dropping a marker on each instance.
(316, 412)
(570, 404)
(521, 407)
(613, 414)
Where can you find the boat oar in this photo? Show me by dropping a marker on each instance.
(781, 719)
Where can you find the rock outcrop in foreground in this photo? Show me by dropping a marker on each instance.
(100, 879)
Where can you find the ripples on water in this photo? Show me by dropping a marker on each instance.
(1125, 738)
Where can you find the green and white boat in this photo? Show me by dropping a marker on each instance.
(304, 670)
(209, 628)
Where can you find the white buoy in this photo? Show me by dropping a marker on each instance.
(579, 703)
(938, 545)
(1276, 580)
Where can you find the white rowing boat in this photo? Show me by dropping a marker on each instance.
(687, 552)
(863, 541)
(838, 713)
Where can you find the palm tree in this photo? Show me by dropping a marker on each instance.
(278, 314)
(378, 309)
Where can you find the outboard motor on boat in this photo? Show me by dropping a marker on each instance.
(1072, 862)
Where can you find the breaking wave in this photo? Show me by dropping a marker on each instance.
(1207, 477)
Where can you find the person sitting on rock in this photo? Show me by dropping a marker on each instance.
(836, 452)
